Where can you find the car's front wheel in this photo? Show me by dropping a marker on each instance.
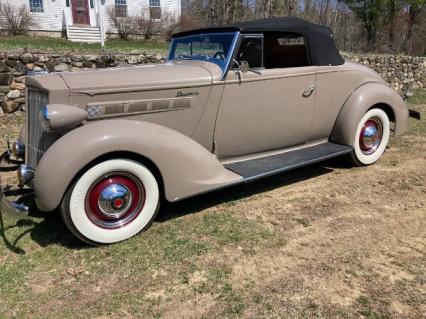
(371, 137)
(111, 202)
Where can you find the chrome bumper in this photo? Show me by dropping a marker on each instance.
(11, 208)
(6, 206)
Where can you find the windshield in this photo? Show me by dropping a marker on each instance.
(211, 47)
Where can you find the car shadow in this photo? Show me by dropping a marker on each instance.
(49, 229)
(43, 228)
(198, 203)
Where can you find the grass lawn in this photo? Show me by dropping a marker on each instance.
(47, 44)
(325, 241)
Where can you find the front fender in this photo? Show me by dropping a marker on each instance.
(186, 167)
(359, 102)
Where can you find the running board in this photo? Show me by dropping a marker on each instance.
(278, 163)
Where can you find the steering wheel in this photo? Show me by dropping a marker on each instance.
(219, 55)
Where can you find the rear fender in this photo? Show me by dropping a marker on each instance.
(359, 102)
(185, 166)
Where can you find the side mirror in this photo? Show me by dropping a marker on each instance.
(244, 66)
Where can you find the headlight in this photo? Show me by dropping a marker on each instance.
(58, 117)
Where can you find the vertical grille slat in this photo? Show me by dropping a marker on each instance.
(38, 140)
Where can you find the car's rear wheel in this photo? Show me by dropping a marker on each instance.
(371, 137)
(111, 202)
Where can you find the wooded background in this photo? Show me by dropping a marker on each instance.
(384, 26)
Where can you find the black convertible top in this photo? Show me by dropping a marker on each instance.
(320, 39)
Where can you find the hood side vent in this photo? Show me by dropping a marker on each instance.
(160, 105)
(136, 107)
(114, 109)
(123, 108)
(182, 103)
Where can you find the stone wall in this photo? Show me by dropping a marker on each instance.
(15, 66)
(401, 72)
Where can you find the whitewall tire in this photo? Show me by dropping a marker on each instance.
(111, 202)
(371, 137)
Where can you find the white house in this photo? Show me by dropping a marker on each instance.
(87, 20)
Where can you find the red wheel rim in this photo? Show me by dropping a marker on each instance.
(115, 200)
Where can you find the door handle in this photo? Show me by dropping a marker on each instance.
(309, 90)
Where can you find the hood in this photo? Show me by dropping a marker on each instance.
(132, 78)
(146, 77)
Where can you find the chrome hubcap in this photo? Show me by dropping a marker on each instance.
(370, 136)
(115, 200)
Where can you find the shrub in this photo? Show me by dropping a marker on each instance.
(143, 25)
(169, 26)
(123, 25)
(15, 19)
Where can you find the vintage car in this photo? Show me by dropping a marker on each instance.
(232, 104)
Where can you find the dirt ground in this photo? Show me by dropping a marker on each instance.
(326, 241)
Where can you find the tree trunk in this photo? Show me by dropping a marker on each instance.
(413, 14)
(392, 12)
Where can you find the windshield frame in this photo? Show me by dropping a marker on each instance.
(228, 59)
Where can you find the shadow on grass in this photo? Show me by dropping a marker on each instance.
(52, 231)
(195, 204)
(44, 228)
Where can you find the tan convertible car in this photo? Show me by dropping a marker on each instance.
(231, 104)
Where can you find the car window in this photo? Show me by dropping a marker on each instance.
(251, 51)
(285, 51)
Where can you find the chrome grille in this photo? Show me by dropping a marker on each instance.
(38, 141)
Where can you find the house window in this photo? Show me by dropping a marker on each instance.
(121, 8)
(67, 3)
(92, 4)
(36, 6)
(154, 9)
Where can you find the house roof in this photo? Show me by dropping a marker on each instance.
(320, 39)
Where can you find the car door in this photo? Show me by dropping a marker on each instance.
(267, 110)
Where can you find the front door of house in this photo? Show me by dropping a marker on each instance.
(80, 11)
